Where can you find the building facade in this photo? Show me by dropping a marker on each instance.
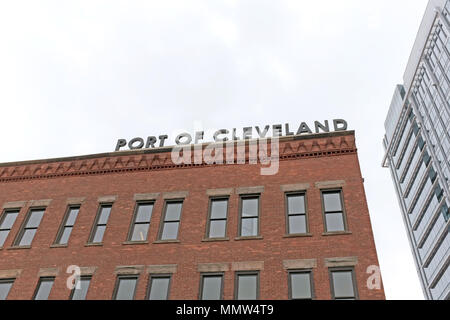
(417, 144)
(135, 225)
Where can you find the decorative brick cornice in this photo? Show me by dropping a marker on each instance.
(293, 147)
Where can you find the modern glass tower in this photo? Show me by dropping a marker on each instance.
(417, 144)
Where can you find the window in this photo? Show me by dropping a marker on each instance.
(247, 286)
(159, 287)
(296, 214)
(100, 223)
(300, 285)
(333, 211)
(445, 212)
(43, 289)
(249, 216)
(6, 222)
(217, 226)
(67, 225)
(343, 284)
(141, 221)
(211, 287)
(5, 287)
(30, 227)
(171, 221)
(83, 283)
(125, 287)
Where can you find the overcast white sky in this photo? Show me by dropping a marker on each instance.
(77, 75)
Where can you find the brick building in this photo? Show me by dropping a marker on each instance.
(139, 226)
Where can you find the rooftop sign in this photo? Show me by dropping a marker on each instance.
(223, 135)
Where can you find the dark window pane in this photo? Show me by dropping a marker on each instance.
(144, 212)
(335, 222)
(9, 220)
(212, 287)
(27, 237)
(301, 286)
(126, 288)
(104, 215)
(80, 294)
(173, 211)
(140, 232)
(332, 201)
(5, 287)
(170, 231)
(65, 235)
(219, 209)
(99, 232)
(35, 218)
(45, 286)
(343, 284)
(73, 213)
(3, 236)
(296, 204)
(247, 287)
(297, 224)
(250, 207)
(249, 227)
(217, 228)
(159, 289)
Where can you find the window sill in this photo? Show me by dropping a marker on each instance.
(58, 246)
(298, 235)
(166, 241)
(215, 239)
(19, 247)
(134, 242)
(93, 244)
(338, 233)
(249, 238)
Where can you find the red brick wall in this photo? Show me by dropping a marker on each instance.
(191, 251)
